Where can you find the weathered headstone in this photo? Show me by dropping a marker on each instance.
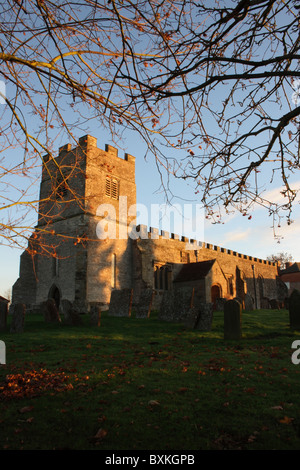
(248, 302)
(143, 307)
(274, 304)
(220, 302)
(264, 303)
(192, 317)
(95, 315)
(205, 317)
(294, 309)
(50, 311)
(120, 303)
(69, 313)
(3, 315)
(232, 320)
(176, 304)
(18, 317)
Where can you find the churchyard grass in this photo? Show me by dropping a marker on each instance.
(144, 384)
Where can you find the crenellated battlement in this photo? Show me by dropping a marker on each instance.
(191, 244)
(87, 142)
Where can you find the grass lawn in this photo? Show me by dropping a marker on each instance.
(134, 384)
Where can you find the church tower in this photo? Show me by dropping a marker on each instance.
(80, 250)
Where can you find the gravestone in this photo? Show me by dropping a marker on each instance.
(18, 317)
(143, 307)
(232, 320)
(294, 309)
(274, 304)
(69, 313)
(120, 303)
(248, 302)
(3, 315)
(205, 317)
(200, 317)
(176, 304)
(50, 311)
(95, 315)
(264, 303)
(192, 318)
(220, 302)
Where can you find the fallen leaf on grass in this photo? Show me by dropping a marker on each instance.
(253, 437)
(100, 434)
(286, 420)
(153, 403)
(25, 409)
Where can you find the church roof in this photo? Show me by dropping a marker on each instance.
(194, 271)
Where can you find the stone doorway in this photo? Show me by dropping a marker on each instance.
(215, 294)
(54, 294)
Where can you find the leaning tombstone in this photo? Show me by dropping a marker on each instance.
(232, 319)
(51, 313)
(294, 309)
(192, 317)
(69, 313)
(18, 318)
(3, 315)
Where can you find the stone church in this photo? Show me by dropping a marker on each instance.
(68, 257)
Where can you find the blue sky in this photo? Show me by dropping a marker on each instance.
(253, 237)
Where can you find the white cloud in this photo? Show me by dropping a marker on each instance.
(237, 235)
(275, 195)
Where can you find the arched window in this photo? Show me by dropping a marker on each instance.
(55, 266)
(162, 277)
(156, 277)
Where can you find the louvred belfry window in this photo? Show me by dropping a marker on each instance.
(107, 186)
(112, 187)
